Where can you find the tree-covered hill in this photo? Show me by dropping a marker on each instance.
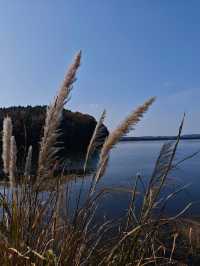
(75, 131)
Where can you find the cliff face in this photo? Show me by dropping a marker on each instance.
(76, 129)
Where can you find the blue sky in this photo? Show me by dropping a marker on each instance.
(131, 50)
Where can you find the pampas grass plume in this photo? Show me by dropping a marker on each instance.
(53, 118)
(94, 140)
(13, 160)
(125, 127)
(6, 139)
(119, 132)
(28, 162)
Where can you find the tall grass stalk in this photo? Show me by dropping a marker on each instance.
(96, 139)
(126, 125)
(28, 163)
(6, 140)
(54, 225)
(13, 160)
(48, 150)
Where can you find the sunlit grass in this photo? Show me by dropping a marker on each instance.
(38, 226)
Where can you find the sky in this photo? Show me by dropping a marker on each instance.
(131, 50)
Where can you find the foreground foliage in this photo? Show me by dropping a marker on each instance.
(43, 223)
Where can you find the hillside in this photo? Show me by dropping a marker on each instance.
(76, 129)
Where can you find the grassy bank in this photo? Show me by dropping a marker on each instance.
(42, 229)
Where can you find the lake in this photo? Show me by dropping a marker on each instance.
(129, 158)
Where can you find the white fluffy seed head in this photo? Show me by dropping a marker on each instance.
(127, 124)
(53, 118)
(13, 160)
(6, 143)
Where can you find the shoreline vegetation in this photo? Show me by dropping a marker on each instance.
(155, 138)
(57, 227)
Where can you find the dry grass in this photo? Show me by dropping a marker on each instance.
(96, 139)
(44, 228)
(125, 126)
(47, 155)
(13, 160)
(27, 170)
(7, 134)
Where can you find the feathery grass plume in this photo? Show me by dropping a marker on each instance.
(13, 160)
(7, 134)
(100, 171)
(53, 117)
(162, 162)
(120, 131)
(157, 181)
(27, 170)
(96, 140)
(159, 171)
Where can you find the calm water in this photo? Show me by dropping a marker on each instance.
(129, 158)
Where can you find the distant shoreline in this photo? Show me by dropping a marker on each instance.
(157, 138)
